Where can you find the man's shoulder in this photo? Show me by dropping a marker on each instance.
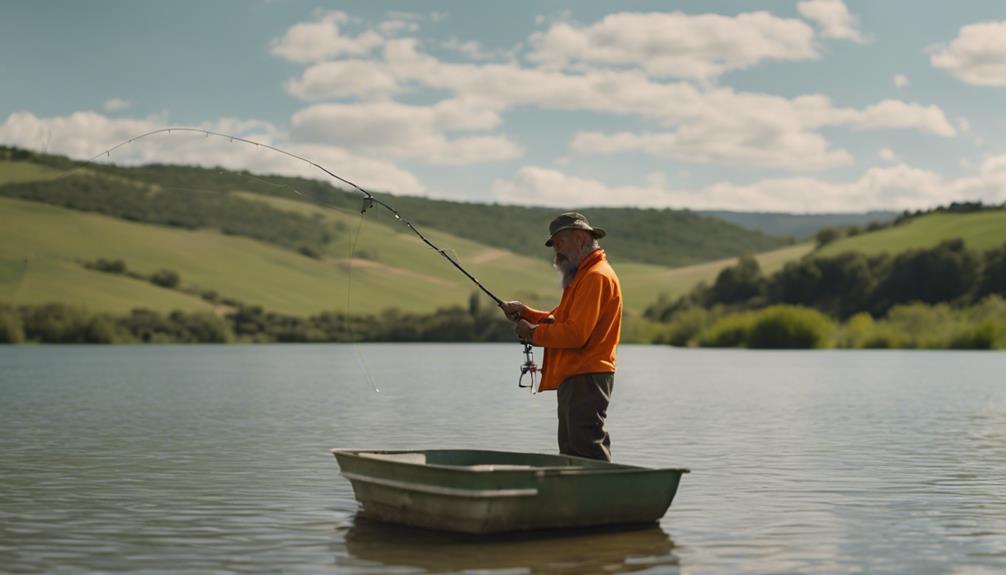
(601, 272)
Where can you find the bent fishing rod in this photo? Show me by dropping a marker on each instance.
(528, 369)
(368, 198)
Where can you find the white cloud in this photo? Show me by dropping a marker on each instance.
(344, 79)
(397, 26)
(758, 130)
(833, 18)
(676, 44)
(795, 150)
(888, 154)
(702, 123)
(117, 104)
(898, 114)
(402, 131)
(901, 80)
(321, 39)
(83, 135)
(631, 93)
(896, 187)
(476, 52)
(977, 55)
(538, 186)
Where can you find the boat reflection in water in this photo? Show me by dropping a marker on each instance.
(585, 550)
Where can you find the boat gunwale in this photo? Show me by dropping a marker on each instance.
(563, 470)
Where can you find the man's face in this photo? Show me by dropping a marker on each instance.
(564, 245)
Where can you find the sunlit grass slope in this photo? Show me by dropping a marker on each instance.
(517, 277)
(41, 279)
(980, 230)
(13, 172)
(53, 241)
(42, 247)
(645, 283)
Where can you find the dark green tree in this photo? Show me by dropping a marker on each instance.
(738, 283)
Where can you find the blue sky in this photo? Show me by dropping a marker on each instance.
(800, 106)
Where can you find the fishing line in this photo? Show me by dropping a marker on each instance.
(369, 200)
(353, 239)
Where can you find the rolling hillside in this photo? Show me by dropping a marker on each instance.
(979, 230)
(256, 242)
(191, 196)
(42, 249)
(798, 225)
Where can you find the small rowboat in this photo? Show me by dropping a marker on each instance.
(496, 491)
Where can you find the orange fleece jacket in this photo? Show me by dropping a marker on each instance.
(581, 333)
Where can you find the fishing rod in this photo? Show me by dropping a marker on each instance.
(368, 198)
(528, 369)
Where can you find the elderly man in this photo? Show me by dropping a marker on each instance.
(579, 335)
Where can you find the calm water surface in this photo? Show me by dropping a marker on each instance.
(197, 459)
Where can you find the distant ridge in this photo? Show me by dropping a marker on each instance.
(799, 226)
(196, 197)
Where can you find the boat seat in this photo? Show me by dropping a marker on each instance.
(497, 467)
(419, 458)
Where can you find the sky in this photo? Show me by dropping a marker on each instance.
(797, 106)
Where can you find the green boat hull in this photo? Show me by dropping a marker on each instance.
(497, 491)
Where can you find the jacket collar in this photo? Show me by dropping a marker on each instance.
(591, 259)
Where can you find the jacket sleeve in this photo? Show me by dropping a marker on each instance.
(536, 315)
(574, 332)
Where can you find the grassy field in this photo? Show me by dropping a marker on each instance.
(645, 283)
(981, 230)
(42, 248)
(13, 172)
(55, 240)
(44, 279)
(642, 284)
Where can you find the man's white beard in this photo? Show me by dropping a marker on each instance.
(566, 267)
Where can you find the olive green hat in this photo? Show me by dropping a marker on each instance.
(572, 221)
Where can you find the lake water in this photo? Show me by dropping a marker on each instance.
(203, 458)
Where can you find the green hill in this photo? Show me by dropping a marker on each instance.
(798, 225)
(257, 241)
(193, 197)
(979, 230)
(42, 249)
(669, 238)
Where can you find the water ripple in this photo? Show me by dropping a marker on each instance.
(215, 459)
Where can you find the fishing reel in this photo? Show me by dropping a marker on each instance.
(529, 369)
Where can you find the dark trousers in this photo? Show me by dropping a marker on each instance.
(583, 405)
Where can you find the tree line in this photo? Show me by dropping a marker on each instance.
(62, 323)
(843, 285)
(947, 296)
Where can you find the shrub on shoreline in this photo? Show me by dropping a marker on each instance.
(775, 327)
(11, 330)
(790, 327)
(909, 326)
(729, 331)
(778, 327)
